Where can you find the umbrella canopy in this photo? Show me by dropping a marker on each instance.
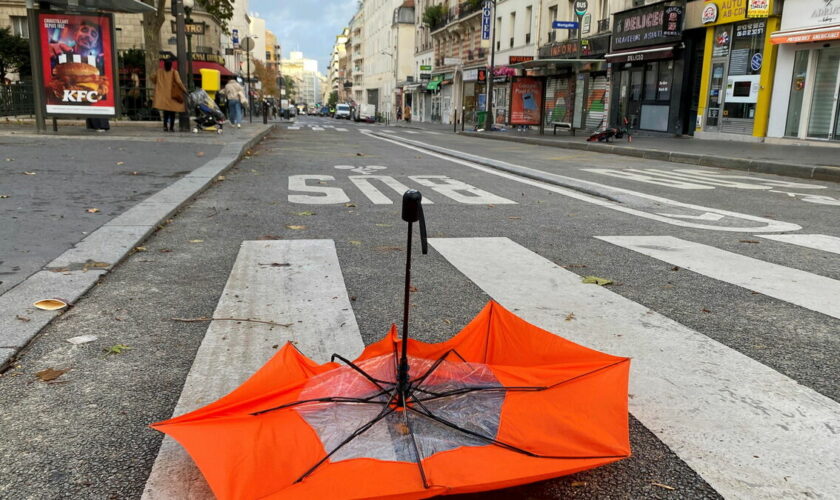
(500, 404)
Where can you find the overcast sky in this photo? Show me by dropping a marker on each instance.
(305, 25)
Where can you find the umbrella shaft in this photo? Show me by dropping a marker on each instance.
(402, 376)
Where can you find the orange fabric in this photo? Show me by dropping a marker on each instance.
(248, 457)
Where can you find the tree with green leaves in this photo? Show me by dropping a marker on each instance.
(221, 10)
(333, 99)
(14, 55)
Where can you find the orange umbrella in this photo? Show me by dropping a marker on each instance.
(500, 404)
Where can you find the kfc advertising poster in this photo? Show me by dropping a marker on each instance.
(77, 57)
(525, 102)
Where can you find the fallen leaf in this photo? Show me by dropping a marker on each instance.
(412, 288)
(664, 486)
(220, 178)
(579, 484)
(196, 241)
(92, 210)
(277, 264)
(350, 205)
(95, 264)
(140, 249)
(514, 218)
(116, 349)
(135, 173)
(22, 318)
(50, 374)
(570, 316)
(292, 226)
(491, 206)
(384, 225)
(596, 281)
(3, 196)
(165, 250)
(359, 154)
(354, 242)
(29, 173)
(748, 241)
(10, 159)
(269, 237)
(705, 310)
(200, 154)
(306, 213)
(82, 339)
(120, 163)
(50, 304)
(574, 266)
(675, 268)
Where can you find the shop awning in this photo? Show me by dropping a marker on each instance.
(642, 54)
(433, 85)
(822, 34)
(569, 63)
(198, 65)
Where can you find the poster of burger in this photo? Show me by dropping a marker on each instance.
(77, 57)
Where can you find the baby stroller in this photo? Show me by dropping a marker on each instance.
(208, 116)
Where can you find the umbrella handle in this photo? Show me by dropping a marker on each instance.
(412, 211)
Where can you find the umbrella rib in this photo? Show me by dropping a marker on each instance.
(416, 448)
(428, 414)
(432, 368)
(331, 399)
(387, 410)
(349, 363)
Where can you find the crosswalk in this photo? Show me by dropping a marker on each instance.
(746, 429)
(321, 127)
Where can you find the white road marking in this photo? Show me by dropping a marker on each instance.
(460, 191)
(293, 128)
(317, 129)
(815, 241)
(363, 182)
(698, 179)
(329, 195)
(339, 129)
(308, 294)
(410, 132)
(707, 216)
(766, 225)
(748, 430)
(801, 288)
(432, 133)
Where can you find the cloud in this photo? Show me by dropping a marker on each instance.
(306, 26)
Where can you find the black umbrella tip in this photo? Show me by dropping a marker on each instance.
(411, 205)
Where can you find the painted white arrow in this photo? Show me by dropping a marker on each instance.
(707, 216)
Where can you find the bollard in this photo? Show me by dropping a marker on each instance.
(265, 112)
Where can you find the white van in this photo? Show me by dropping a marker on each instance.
(342, 111)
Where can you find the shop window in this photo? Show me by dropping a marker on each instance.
(825, 86)
(745, 60)
(663, 85)
(797, 92)
(651, 79)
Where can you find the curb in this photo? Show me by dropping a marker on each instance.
(815, 172)
(109, 244)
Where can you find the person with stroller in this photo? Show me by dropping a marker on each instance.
(169, 94)
(236, 98)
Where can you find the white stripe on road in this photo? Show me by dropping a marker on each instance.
(627, 196)
(410, 132)
(801, 288)
(749, 431)
(293, 128)
(433, 133)
(339, 129)
(815, 241)
(308, 294)
(317, 128)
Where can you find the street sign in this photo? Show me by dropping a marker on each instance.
(234, 36)
(451, 61)
(565, 25)
(425, 67)
(581, 7)
(248, 44)
(191, 28)
(486, 18)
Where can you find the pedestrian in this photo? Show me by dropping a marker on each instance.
(235, 94)
(407, 113)
(169, 94)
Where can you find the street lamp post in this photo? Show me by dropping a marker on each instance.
(488, 123)
(178, 12)
(188, 7)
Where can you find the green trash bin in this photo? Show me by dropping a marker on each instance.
(481, 118)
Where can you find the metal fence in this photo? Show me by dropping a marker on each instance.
(17, 100)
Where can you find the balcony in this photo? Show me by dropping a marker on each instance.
(467, 8)
(604, 25)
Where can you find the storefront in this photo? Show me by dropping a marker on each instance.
(434, 108)
(446, 96)
(648, 68)
(738, 67)
(807, 79)
(584, 105)
(474, 93)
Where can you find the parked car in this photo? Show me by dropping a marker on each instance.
(342, 111)
(366, 113)
(325, 111)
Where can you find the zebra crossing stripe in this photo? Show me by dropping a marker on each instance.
(748, 430)
(317, 129)
(410, 132)
(306, 292)
(801, 288)
(816, 241)
(339, 129)
(293, 128)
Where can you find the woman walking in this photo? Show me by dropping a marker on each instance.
(235, 95)
(169, 95)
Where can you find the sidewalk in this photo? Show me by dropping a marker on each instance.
(794, 160)
(73, 204)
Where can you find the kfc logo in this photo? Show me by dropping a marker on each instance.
(81, 96)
